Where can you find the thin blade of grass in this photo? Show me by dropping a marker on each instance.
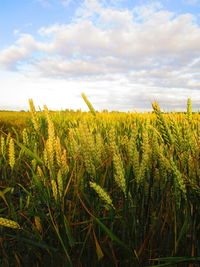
(33, 242)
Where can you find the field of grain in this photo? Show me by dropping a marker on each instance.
(99, 189)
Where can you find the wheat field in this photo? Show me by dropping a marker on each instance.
(100, 189)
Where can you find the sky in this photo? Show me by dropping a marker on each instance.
(123, 54)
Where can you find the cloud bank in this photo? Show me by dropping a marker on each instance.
(138, 55)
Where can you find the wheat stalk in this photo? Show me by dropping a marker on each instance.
(11, 153)
(102, 194)
(9, 223)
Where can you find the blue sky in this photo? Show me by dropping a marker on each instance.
(123, 54)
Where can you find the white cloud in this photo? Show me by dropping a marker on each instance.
(21, 50)
(144, 12)
(114, 93)
(92, 5)
(140, 53)
(162, 40)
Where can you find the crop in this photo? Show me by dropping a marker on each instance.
(99, 189)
